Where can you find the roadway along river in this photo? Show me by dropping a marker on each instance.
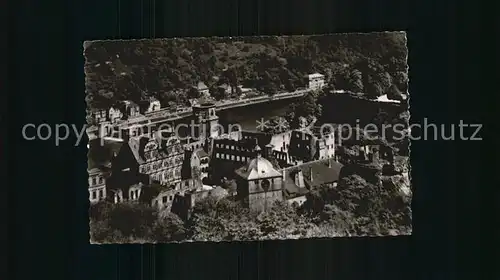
(336, 109)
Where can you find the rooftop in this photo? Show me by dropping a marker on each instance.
(129, 103)
(316, 75)
(258, 168)
(104, 170)
(101, 155)
(322, 173)
(152, 191)
(291, 189)
(138, 144)
(201, 86)
(201, 153)
(97, 110)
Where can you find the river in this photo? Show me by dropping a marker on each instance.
(248, 116)
(337, 109)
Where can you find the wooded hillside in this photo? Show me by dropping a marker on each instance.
(373, 63)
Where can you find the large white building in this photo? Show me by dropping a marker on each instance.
(97, 185)
(154, 105)
(315, 81)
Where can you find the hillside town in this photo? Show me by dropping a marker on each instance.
(137, 156)
(158, 168)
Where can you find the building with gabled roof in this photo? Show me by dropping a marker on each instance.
(258, 168)
(101, 154)
(160, 156)
(97, 184)
(315, 81)
(200, 160)
(299, 180)
(154, 105)
(115, 114)
(311, 144)
(99, 116)
(142, 160)
(259, 184)
(132, 109)
(312, 174)
(203, 89)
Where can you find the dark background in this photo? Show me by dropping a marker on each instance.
(47, 191)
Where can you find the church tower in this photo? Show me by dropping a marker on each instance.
(259, 183)
(207, 121)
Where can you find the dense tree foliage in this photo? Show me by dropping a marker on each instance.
(121, 222)
(355, 207)
(218, 220)
(307, 107)
(368, 63)
(359, 207)
(169, 227)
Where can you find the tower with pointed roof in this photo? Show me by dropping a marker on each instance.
(259, 184)
(205, 116)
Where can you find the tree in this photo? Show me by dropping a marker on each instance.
(193, 93)
(384, 79)
(221, 219)
(328, 88)
(395, 62)
(282, 221)
(169, 227)
(341, 76)
(102, 98)
(308, 108)
(167, 97)
(368, 204)
(108, 95)
(135, 220)
(394, 93)
(356, 81)
(120, 222)
(267, 84)
(207, 47)
(101, 232)
(231, 77)
(372, 88)
(341, 221)
(401, 79)
(314, 203)
(170, 64)
(90, 121)
(318, 198)
(100, 210)
(217, 92)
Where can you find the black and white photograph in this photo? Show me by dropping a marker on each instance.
(222, 139)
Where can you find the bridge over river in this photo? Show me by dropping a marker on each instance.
(340, 110)
(163, 116)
